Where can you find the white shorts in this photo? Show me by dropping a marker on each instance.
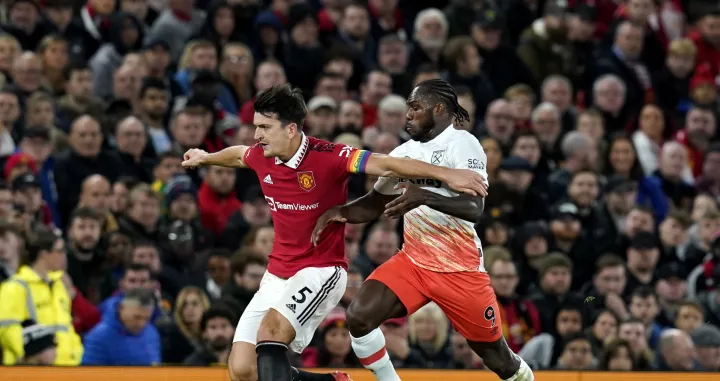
(305, 300)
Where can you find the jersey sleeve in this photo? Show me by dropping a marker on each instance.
(349, 160)
(253, 155)
(467, 153)
(386, 185)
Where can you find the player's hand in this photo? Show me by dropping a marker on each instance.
(412, 196)
(331, 215)
(467, 181)
(193, 158)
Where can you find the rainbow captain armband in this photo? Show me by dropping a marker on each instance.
(357, 161)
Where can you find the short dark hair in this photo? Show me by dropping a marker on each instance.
(85, 213)
(643, 292)
(693, 304)
(217, 310)
(128, 182)
(4, 186)
(608, 261)
(454, 51)
(172, 154)
(145, 243)
(463, 90)
(144, 297)
(283, 102)
(137, 267)
(74, 67)
(38, 240)
(339, 52)
(330, 75)
(631, 320)
(570, 337)
(152, 83)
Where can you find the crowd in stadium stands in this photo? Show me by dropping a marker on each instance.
(601, 230)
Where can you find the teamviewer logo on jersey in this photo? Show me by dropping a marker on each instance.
(271, 202)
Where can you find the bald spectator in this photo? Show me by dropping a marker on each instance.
(126, 85)
(623, 60)
(676, 352)
(385, 143)
(674, 174)
(96, 195)
(26, 75)
(580, 153)
(84, 158)
(131, 139)
(499, 123)
(558, 90)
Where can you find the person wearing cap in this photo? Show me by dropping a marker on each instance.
(321, 117)
(37, 292)
(217, 327)
(23, 18)
(27, 192)
(565, 227)
(672, 290)
(643, 255)
(501, 64)
(516, 173)
(707, 345)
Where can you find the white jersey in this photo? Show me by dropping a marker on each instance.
(434, 240)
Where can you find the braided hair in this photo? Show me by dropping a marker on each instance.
(443, 92)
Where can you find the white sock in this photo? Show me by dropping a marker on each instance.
(370, 349)
(524, 373)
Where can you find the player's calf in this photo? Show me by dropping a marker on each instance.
(500, 359)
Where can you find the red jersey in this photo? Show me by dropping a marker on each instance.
(299, 191)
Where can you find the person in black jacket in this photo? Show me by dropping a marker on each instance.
(217, 327)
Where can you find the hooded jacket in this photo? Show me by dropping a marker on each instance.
(28, 296)
(110, 56)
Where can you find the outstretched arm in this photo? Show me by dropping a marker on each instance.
(462, 180)
(232, 157)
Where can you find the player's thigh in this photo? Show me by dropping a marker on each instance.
(392, 290)
(309, 296)
(242, 363)
(271, 287)
(469, 302)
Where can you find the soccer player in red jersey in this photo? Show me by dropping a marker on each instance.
(441, 260)
(302, 177)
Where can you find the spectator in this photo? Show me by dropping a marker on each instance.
(707, 344)
(380, 246)
(37, 293)
(84, 257)
(676, 352)
(95, 194)
(10, 249)
(546, 38)
(644, 307)
(127, 338)
(635, 333)
(544, 350)
(217, 327)
(690, 316)
(429, 334)
(603, 330)
(334, 349)
(141, 217)
(576, 353)
(185, 336)
(617, 356)
(176, 24)
(131, 140)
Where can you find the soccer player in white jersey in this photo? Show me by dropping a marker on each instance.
(441, 260)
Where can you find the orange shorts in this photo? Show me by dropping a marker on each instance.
(467, 298)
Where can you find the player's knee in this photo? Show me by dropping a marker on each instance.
(359, 320)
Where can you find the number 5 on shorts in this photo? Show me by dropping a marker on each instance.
(302, 295)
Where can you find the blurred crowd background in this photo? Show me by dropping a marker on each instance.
(599, 119)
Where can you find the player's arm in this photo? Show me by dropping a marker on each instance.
(461, 180)
(467, 155)
(232, 157)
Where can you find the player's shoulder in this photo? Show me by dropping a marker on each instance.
(463, 139)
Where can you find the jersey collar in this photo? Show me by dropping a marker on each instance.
(295, 161)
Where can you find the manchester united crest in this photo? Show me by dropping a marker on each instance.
(306, 180)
